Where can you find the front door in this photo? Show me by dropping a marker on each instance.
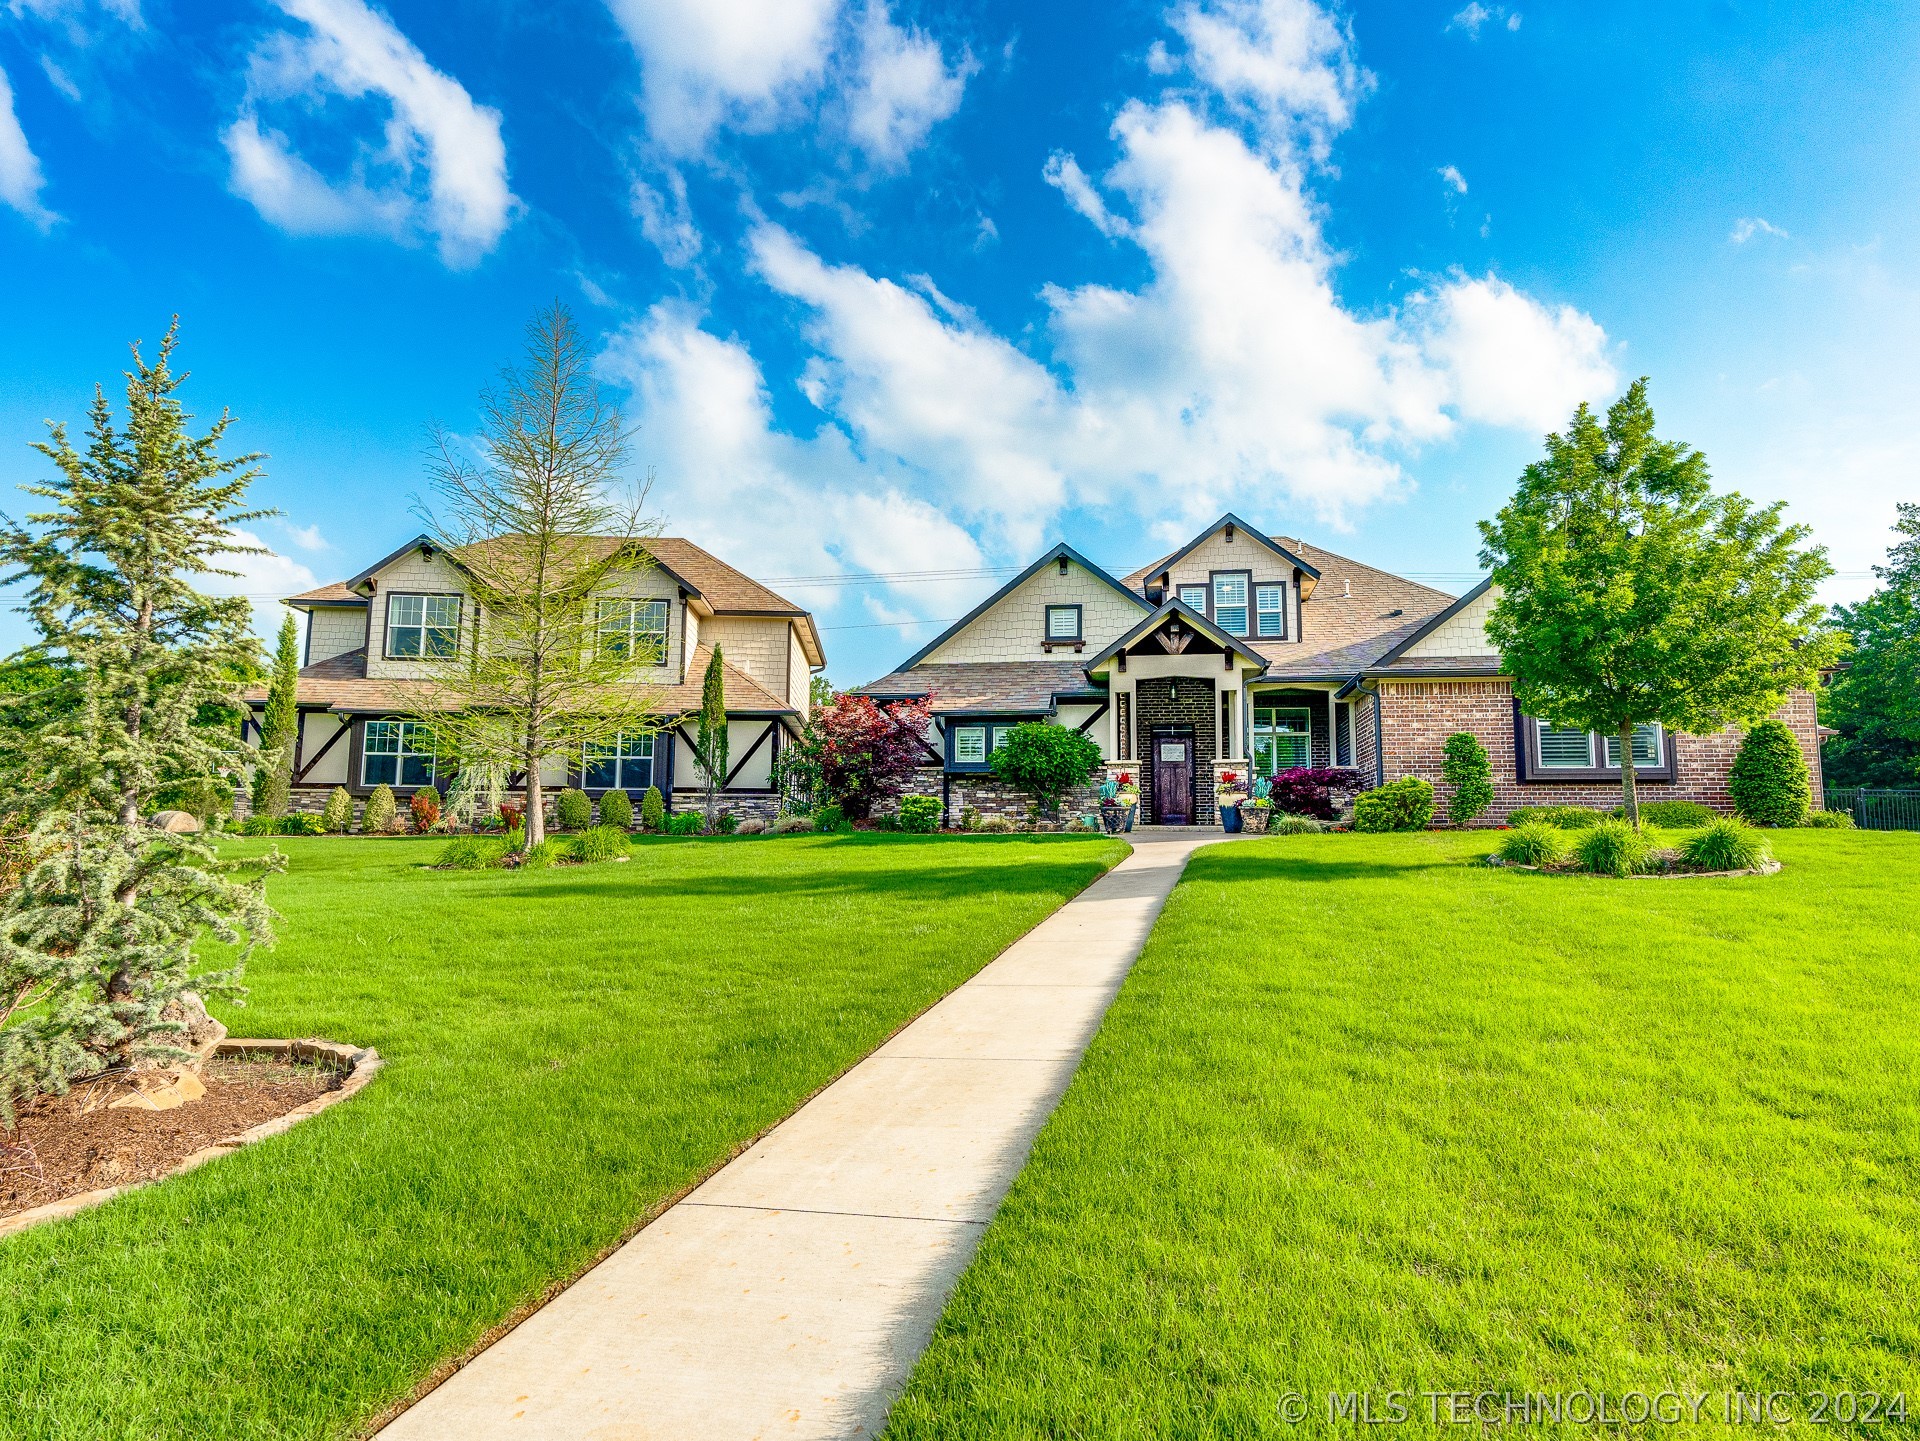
(1173, 780)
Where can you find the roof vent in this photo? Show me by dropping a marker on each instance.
(1063, 565)
(1347, 594)
(1395, 611)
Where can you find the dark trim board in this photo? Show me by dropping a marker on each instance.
(1160, 567)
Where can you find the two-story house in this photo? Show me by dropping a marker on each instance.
(404, 615)
(1252, 653)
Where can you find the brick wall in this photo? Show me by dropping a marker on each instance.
(1417, 718)
(1197, 706)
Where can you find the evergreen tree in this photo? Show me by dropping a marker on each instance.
(711, 738)
(1631, 594)
(1874, 703)
(97, 943)
(1468, 770)
(279, 724)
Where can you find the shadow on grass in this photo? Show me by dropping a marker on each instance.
(921, 883)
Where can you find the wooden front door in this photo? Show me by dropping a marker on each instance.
(1173, 780)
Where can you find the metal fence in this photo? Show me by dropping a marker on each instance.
(1877, 810)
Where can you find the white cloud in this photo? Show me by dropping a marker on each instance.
(1287, 60)
(706, 63)
(71, 13)
(435, 128)
(1454, 179)
(1745, 229)
(1064, 174)
(21, 180)
(262, 578)
(1476, 15)
(903, 88)
(666, 219)
(58, 78)
(1510, 360)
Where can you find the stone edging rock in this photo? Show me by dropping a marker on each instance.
(359, 1065)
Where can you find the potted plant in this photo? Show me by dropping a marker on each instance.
(1230, 796)
(1119, 802)
(1257, 813)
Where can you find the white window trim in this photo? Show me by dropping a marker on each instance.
(636, 607)
(459, 616)
(1244, 605)
(1260, 612)
(960, 736)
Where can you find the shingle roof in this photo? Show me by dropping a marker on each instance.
(1009, 686)
(341, 683)
(1442, 664)
(327, 593)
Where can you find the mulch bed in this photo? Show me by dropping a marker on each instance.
(64, 1145)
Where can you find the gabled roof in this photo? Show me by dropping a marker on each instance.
(1012, 687)
(335, 594)
(1434, 623)
(1059, 551)
(1139, 578)
(1200, 624)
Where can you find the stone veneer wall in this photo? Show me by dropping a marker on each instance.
(991, 797)
(1417, 718)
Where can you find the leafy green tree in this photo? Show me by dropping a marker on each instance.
(820, 693)
(710, 740)
(279, 725)
(98, 942)
(1467, 770)
(1874, 703)
(1631, 594)
(1046, 761)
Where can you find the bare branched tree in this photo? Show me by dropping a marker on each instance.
(551, 534)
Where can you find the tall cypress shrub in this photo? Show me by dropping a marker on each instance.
(279, 723)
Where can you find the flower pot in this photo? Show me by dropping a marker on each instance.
(1255, 819)
(1230, 819)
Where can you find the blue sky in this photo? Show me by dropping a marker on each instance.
(912, 290)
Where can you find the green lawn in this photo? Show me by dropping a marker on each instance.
(565, 1050)
(1365, 1118)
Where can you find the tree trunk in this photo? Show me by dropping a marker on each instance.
(536, 819)
(1627, 780)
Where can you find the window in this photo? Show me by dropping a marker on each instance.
(1230, 603)
(1194, 597)
(1281, 739)
(1063, 622)
(1270, 610)
(970, 745)
(1001, 733)
(1565, 749)
(397, 753)
(634, 628)
(423, 627)
(624, 765)
(1646, 748)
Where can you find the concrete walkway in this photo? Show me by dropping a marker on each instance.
(790, 1295)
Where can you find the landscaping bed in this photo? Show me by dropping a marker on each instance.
(63, 1146)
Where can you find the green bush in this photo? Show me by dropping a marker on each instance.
(830, 818)
(1725, 846)
(260, 826)
(1045, 760)
(1768, 781)
(468, 853)
(1285, 824)
(1534, 844)
(969, 818)
(600, 843)
(790, 826)
(616, 809)
(1829, 821)
(548, 853)
(1613, 848)
(888, 823)
(1568, 818)
(1402, 805)
(687, 823)
(1671, 815)
(301, 823)
(338, 816)
(653, 810)
(726, 823)
(573, 810)
(380, 812)
(919, 814)
(1467, 769)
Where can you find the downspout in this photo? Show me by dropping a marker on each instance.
(1379, 743)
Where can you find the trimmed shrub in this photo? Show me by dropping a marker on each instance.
(260, 826)
(1725, 846)
(301, 823)
(1468, 771)
(1613, 848)
(548, 853)
(1534, 844)
(1768, 781)
(830, 818)
(1568, 818)
(919, 814)
(1829, 821)
(468, 853)
(653, 810)
(997, 825)
(573, 810)
(616, 809)
(600, 843)
(687, 823)
(425, 809)
(1402, 805)
(338, 816)
(790, 826)
(751, 826)
(1321, 791)
(1045, 760)
(1286, 825)
(378, 819)
(1671, 815)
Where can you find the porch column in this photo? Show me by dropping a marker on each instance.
(1333, 735)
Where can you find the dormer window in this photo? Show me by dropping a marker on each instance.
(423, 627)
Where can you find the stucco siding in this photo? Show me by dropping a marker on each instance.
(1015, 625)
(316, 731)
